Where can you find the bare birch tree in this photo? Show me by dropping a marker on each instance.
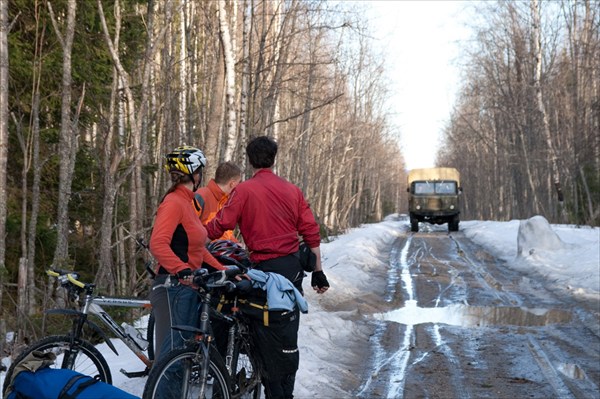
(4, 28)
(230, 95)
(537, 85)
(134, 116)
(245, 85)
(67, 146)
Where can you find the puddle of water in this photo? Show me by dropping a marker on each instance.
(475, 316)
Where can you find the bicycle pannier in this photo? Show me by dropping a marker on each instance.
(43, 382)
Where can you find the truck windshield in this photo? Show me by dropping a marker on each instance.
(441, 187)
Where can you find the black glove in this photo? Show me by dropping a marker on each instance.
(319, 280)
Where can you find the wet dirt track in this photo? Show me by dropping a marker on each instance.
(460, 324)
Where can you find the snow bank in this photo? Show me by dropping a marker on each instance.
(325, 336)
(536, 233)
(566, 256)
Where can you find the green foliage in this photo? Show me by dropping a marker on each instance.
(85, 199)
(45, 244)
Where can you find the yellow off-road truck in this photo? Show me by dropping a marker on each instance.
(433, 195)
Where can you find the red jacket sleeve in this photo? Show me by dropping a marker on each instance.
(307, 225)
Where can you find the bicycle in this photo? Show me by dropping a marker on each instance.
(75, 352)
(198, 370)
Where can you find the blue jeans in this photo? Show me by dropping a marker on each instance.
(172, 305)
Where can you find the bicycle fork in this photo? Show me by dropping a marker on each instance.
(229, 356)
(70, 354)
(204, 348)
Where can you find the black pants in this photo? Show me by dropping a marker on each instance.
(277, 343)
(277, 347)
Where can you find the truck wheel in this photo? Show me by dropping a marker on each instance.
(453, 224)
(414, 225)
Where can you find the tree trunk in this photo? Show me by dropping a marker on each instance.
(184, 134)
(67, 144)
(215, 119)
(22, 279)
(137, 121)
(3, 149)
(135, 193)
(35, 199)
(537, 75)
(229, 60)
(244, 93)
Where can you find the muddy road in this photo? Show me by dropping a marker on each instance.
(454, 322)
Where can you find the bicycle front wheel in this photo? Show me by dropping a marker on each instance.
(150, 335)
(82, 357)
(178, 375)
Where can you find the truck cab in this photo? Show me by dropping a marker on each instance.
(433, 197)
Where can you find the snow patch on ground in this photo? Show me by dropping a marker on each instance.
(567, 256)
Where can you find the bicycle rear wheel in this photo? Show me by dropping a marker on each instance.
(85, 360)
(178, 375)
(246, 375)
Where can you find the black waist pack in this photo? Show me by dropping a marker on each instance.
(308, 260)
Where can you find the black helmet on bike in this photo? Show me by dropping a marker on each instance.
(229, 249)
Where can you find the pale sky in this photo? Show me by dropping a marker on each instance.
(420, 40)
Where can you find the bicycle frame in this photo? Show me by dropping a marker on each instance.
(204, 336)
(94, 307)
(92, 304)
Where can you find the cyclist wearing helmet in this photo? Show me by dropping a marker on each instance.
(271, 213)
(178, 244)
(210, 199)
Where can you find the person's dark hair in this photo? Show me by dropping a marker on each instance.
(261, 152)
(227, 171)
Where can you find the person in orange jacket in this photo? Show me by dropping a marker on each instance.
(210, 199)
(177, 243)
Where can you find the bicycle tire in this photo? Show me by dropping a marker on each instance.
(171, 368)
(88, 361)
(246, 377)
(150, 335)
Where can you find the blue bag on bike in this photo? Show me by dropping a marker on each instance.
(49, 383)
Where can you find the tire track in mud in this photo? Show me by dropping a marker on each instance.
(518, 345)
(390, 369)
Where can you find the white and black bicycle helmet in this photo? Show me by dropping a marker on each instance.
(185, 159)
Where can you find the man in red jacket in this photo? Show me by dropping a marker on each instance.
(271, 213)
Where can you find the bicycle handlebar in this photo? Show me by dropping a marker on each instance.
(220, 278)
(64, 276)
